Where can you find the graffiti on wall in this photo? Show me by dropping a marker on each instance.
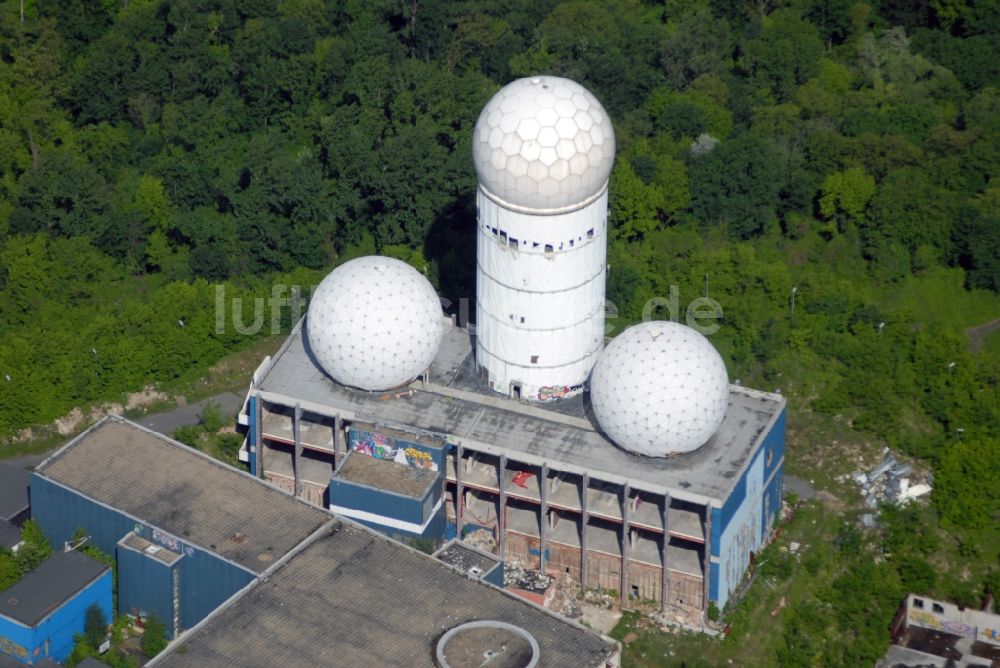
(166, 540)
(373, 444)
(926, 619)
(553, 392)
(380, 446)
(960, 629)
(990, 634)
(13, 649)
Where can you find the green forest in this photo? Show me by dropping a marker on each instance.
(827, 170)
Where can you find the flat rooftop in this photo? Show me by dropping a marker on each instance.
(183, 492)
(454, 404)
(387, 475)
(354, 597)
(150, 549)
(10, 535)
(14, 483)
(55, 581)
(465, 558)
(965, 651)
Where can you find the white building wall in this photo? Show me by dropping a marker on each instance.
(540, 296)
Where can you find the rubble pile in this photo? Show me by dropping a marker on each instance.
(562, 597)
(599, 598)
(891, 481)
(483, 540)
(515, 576)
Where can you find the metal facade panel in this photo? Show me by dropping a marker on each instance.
(385, 504)
(145, 586)
(206, 579)
(59, 628)
(52, 637)
(207, 582)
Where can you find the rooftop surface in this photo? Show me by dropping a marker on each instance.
(356, 598)
(14, 483)
(562, 434)
(10, 535)
(464, 557)
(183, 492)
(387, 475)
(55, 581)
(950, 646)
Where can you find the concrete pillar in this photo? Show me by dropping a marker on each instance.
(543, 542)
(583, 529)
(502, 515)
(665, 577)
(625, 543)
(259, 445)
(459, 492)
(297, 455)
(338, 443)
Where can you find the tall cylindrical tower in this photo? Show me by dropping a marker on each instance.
(543, 150)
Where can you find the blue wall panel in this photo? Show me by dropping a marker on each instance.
(145, 587)
(206, 579)
(385, 504)
(774, 446)
(206, 583)
(53, 636)
(434, 531)
(68, 620)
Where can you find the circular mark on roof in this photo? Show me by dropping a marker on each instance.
(487, 643)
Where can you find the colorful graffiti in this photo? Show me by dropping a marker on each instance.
(553, 392)
(374, 444)
(925, 619)
(13, 649)
(991, 634)
(960, 629)
(380, 446)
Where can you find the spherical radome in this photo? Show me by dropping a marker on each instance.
(374, 323)
(543, 144)
(659, 388)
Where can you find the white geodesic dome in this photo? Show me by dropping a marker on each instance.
(374, 323)
(543, 144)
(659, 388)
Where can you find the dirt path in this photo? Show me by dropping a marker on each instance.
(977, 335)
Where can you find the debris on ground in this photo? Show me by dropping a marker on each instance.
(890, 481)
(563, 595)
(481, 539)
(516, 576)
